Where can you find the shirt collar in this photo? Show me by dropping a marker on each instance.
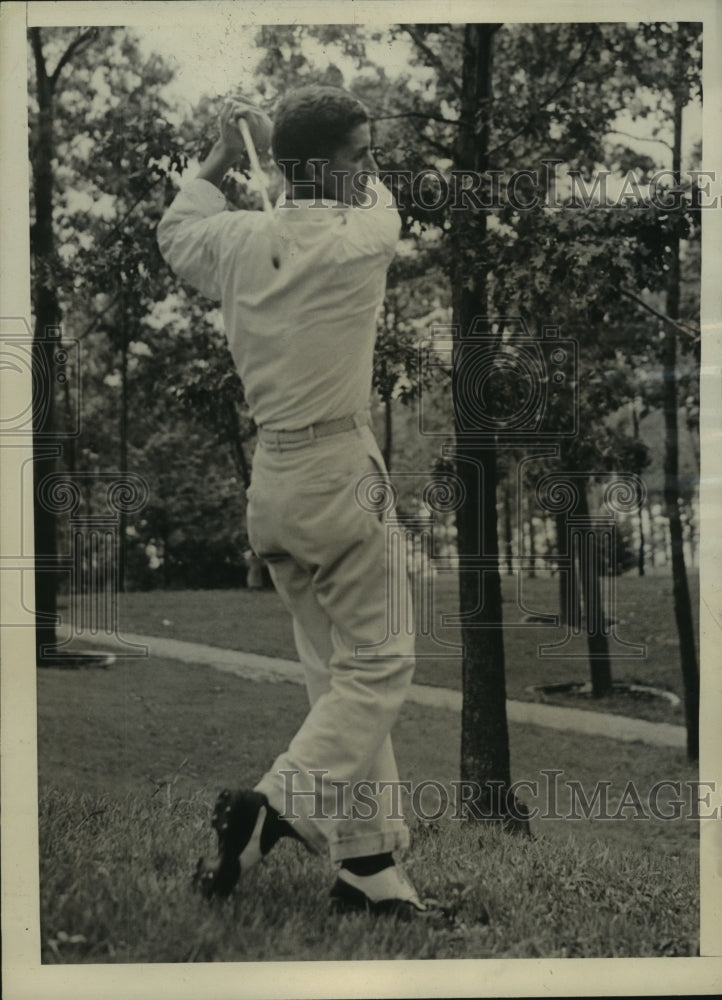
(309, 204)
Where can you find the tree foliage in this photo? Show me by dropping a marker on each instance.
(159, 394)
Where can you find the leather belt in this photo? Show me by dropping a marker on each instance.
(306, 435)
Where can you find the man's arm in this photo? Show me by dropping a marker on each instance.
(189, 232)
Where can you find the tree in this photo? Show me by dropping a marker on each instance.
(667, 59)
(684, 77)
(45, 338)
(630, 249)
(118, 146)
(484, 733)
(122, 122)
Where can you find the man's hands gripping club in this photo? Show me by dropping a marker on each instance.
(258, 122)
(230, 147)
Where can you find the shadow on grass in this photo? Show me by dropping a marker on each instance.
(115, 887)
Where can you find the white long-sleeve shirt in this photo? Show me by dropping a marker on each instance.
(302, 336)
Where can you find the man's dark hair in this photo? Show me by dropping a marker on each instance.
(311, 123)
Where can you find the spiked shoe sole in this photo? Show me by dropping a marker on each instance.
(238, 820)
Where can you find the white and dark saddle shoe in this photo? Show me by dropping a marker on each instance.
(388, 892)
(247, 828)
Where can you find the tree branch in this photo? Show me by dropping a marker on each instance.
(688, 330)
(116, 228)
(639, 138)
(97, 318)
(435, 60)
(80, 42)
(422, 114)
(550, 97)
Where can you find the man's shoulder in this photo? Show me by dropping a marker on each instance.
(240, 223)
(375, 221)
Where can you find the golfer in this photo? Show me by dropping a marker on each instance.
(299, 288)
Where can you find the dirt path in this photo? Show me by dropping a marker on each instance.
(253, 667)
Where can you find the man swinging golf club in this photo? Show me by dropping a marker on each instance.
(299, 287)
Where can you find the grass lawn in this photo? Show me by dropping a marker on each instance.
(130, 760)
(258, 623)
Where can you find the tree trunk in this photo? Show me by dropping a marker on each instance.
(532, 539)
(47, 322)
(640, 555)
(682, 603)
(507, 529)
(549, 535)
(484, 732)
(388, 433)
(71, 454)
(652, 536)
(46, 341)
(123, 437)
(640, 513)
(570, 610)
(690, 521)
(594, 613)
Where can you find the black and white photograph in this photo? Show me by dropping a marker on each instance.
(361, 540)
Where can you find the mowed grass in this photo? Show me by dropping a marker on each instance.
(115, 888)
(130, 761)
(258, 623)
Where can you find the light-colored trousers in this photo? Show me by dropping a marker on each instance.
(327, 555)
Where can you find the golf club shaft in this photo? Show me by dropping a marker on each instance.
(255, 165)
